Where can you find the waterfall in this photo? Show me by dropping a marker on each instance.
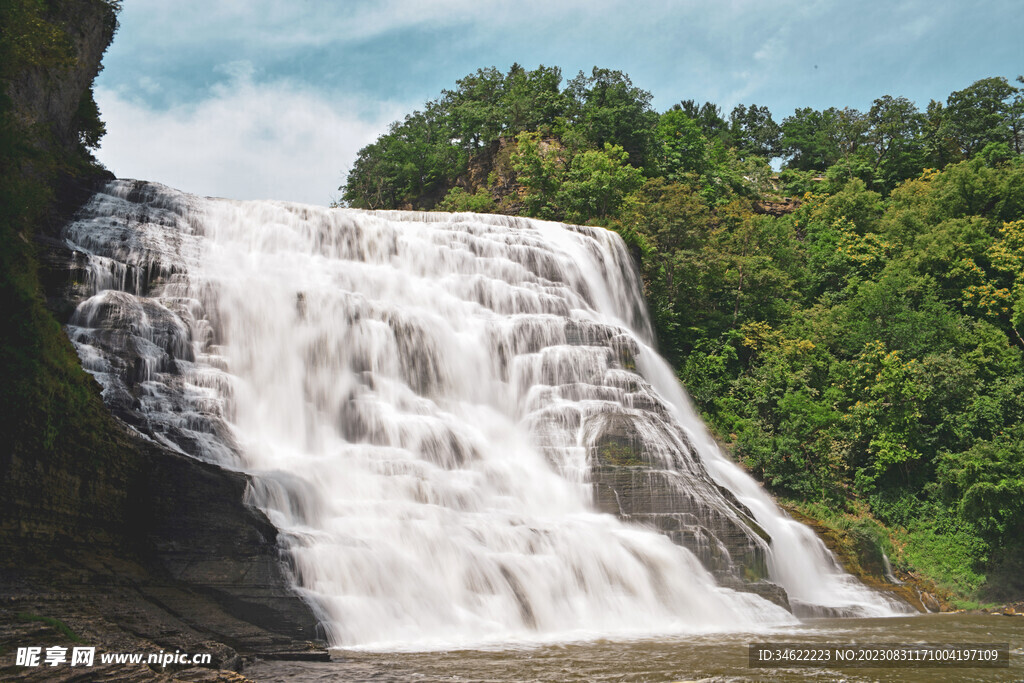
(456, 421)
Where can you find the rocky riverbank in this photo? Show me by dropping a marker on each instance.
(864, 560)
(198, 572)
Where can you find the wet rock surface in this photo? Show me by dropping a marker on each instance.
(194, 525)
(683, 503)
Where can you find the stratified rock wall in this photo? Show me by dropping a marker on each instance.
(190, 521)
(47, 96)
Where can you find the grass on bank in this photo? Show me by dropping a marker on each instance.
(940, 560)
(53, 623)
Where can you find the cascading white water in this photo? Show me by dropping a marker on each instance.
(799, 560)
(427, 403)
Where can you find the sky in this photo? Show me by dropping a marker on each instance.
(272, 99)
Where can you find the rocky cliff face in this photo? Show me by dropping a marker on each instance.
(192, 527)
(49, 93)
(65, 469)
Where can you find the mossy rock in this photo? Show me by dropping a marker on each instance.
(619, 455)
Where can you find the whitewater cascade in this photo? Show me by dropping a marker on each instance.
(456, 421)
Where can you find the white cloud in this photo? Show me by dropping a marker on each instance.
(246, 141)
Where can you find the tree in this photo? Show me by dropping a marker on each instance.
(754, 132)
(1005, 302)
(847, 128)
(981, 113)
(886, 415)
(939, 148)
(814, 140)
(607, 108)
(684, 149)
(986, 483)
(532, 100)
(895, 138)
(475, 107)
(540, 166)
(709, 117)
(805, 141)
(371, 182)
(597, 183)
(1015, 119)
(407, 166)
(458, 200)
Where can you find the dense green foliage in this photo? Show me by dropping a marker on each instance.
(859, 348)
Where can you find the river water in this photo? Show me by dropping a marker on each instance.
(719, 657)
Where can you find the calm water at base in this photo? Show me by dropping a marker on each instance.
(696, 658)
